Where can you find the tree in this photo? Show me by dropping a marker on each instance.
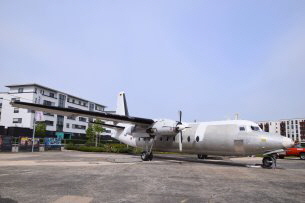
(98, 129)
(94, 131)
(90, 134)
(40, 129)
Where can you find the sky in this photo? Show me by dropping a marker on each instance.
(210, 59)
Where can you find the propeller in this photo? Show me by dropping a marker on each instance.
(180, 127)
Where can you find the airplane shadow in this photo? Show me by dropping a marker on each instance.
(210, 160)
(7, 200)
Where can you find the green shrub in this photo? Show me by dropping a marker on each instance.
(113, 148)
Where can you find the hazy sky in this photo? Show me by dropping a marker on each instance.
(208, 58)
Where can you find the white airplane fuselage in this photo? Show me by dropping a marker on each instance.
(226, 138)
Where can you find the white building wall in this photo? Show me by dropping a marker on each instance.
(292, 127)
(40, 95)
(7, 113)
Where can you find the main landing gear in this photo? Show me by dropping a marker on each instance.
(147, 154)
(202, 156)
(270, 161)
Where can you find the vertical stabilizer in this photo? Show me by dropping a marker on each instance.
(121, 107)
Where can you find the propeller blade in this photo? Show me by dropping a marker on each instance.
(180, 141)
(180, 130)
(180, 116)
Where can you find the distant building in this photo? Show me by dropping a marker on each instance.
(16, 120)
(291, 128)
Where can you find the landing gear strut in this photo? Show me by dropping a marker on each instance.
(147, 154)
(269, 161)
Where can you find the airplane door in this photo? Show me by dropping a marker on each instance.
(239, 146)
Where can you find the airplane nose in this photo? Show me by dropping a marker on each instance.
(287, 142)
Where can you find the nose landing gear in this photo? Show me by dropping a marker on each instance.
(269, 161)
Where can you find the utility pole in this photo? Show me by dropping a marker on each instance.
(33, 137)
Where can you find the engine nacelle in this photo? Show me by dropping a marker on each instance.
(163, 127)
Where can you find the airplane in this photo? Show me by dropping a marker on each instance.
(223, 138)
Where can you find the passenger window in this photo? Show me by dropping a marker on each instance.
(242, 129)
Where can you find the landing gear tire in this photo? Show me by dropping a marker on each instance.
(145, 156)
(150, 156)
(202, 156)
(269, 162)
(302, 156)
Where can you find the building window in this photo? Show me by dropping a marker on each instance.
(17, 120)
(99, 108)
(47, 103)
(188, 138)
(16, 110)
(82, 119)
(68, 125)
(52, 94)
(91, 107)
(20, 90)
(61, 102)
(197, 139)
(48, 114)
(82, 127)
(71, 117)
(160, 138)
(15, 99)
(49, 123)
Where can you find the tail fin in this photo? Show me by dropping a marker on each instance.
(121, 108)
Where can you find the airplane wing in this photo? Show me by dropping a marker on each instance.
(78, 112)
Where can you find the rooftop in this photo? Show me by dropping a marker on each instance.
(51, 89)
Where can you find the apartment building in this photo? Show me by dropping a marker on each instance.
(291, 128)
(15, 119)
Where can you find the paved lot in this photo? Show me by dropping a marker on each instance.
(99, 177)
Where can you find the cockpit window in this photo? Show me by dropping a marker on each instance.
(242, 129)
(255, 128)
